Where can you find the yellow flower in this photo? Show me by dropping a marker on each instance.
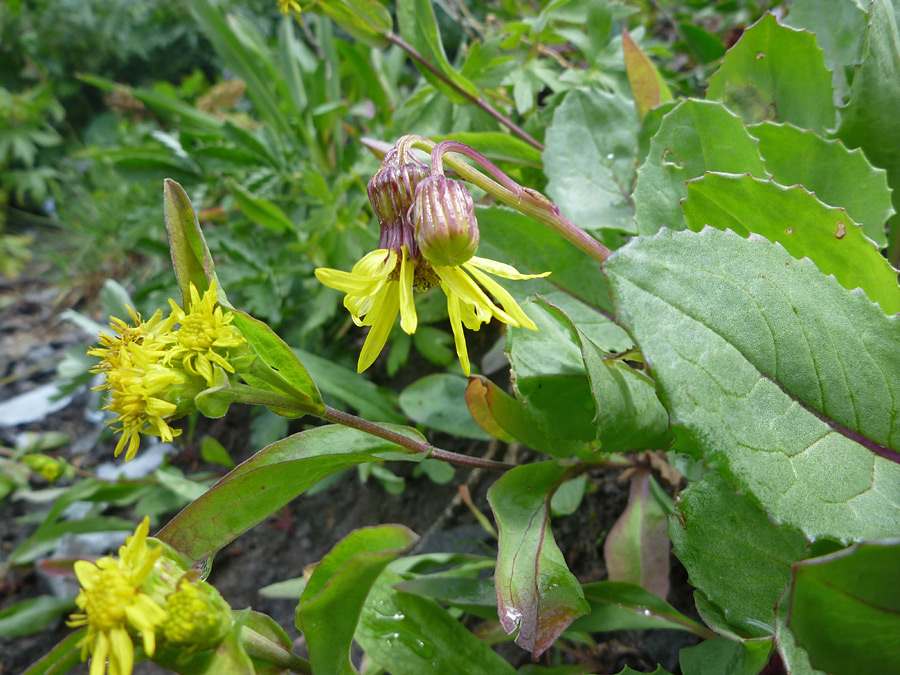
(468, 305)
(144, 333)
(112, 601)
(137, 386)
(287, 6)
(381, 284)
(205, 328)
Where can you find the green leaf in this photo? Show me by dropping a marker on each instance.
(269, 480)
(705, 46)
(497, 146)
(589, 160)
(408, 634)
(550, 378)
(696, 137)
(621, 606)
(839, 26)
(261, 211)
(281, 359)
(211, 450)
(476, 596)
(843, 607)
(568, 496)
(721, 655)
(65, 656)
(798, 221)
(439, 401)
(243, 60)
(629, 415)
(576, 284)
(837, 176)
(505, 418)
(419, 27)
(720, 536)
(870, 120)
(377, 404)
(366, 20)
(794, 657)
(536, 592)
(776, 371)
(190, 254)
(647, 85)
(333, 599)
(775, 72)
(173, 109)
(32, 615)
(659, 671)
(636, 549)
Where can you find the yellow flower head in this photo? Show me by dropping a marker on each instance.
(147, 334)
(137, 388)
(381, 284)
(198, 616)
(113, 606)
(204, 336)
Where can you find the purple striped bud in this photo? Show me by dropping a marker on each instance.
(444, 216)
(391, 192)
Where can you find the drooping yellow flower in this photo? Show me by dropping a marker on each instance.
(113, 606)
(468, 305)
(381, 284)
(137, 385)
(204, 336)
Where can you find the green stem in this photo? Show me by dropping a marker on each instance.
(481, 103)
(263, 648)
(340, 417)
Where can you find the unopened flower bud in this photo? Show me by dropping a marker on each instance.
(391, 192)
(197, 617)
(444, 216)
(50, 468)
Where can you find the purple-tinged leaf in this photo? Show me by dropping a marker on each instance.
(637, 548)
(536, 592)
(845, 609)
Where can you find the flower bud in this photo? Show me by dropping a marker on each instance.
(444, 216)
(391, 192)
(197, 617)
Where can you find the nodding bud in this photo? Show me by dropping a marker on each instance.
(391, 192)
(444, 216)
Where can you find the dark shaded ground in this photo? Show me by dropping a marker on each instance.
(305, 530)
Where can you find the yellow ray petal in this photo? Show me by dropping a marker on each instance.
(506, 300)
(408, 319)
(383, 314)
(502, 269)
(459, 337)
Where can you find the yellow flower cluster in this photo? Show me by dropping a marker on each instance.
(130, 596)
(145, 362)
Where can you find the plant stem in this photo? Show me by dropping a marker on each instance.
(530, 202)
(481, 103)
(263, 648)
(340, 417)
